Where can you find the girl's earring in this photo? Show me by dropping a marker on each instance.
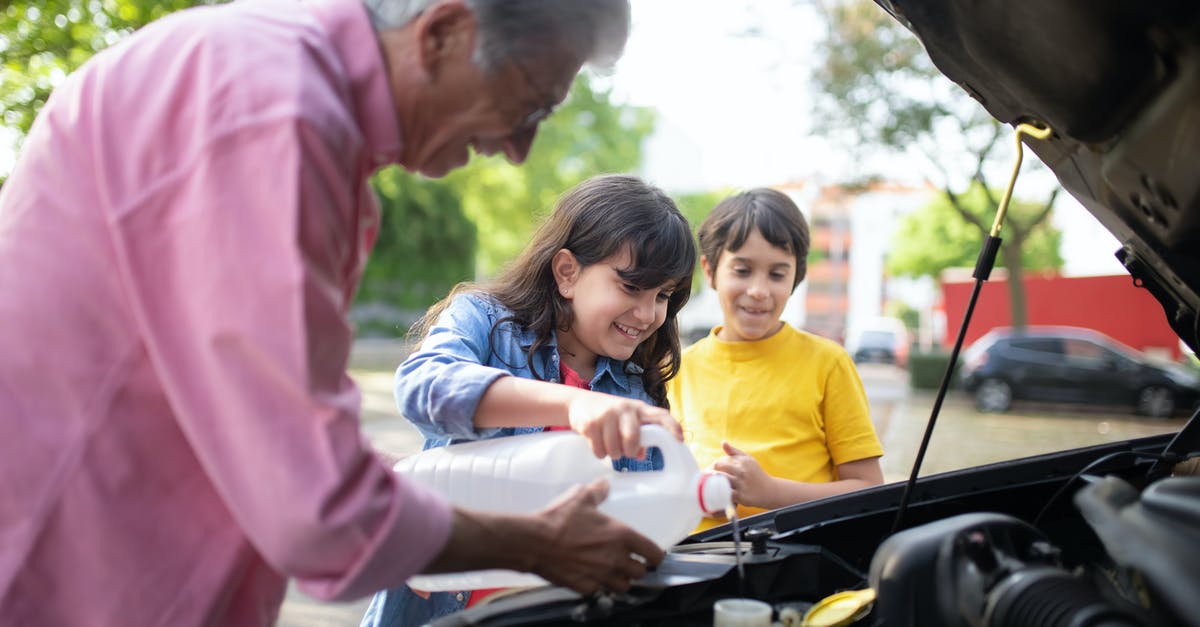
(564, 269)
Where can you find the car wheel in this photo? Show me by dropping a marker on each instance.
(1156, 401)
(993, 395)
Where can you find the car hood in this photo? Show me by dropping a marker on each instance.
(1119, 82)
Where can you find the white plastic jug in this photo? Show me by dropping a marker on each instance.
(522, 474)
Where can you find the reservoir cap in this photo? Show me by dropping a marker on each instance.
(714, 492)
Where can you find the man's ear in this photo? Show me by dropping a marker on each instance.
(446, 33)
(566, 270)
(708, 270)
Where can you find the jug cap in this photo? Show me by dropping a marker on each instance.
(714, 492)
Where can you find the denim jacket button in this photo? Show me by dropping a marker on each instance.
(459, 597)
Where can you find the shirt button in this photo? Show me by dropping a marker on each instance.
(460, 597)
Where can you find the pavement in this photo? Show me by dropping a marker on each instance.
(963, 438)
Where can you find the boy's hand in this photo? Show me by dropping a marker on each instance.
(751, 484)
(613, 424)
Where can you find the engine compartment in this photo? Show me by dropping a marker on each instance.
(1113, 544)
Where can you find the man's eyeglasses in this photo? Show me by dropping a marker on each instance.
(535, 117)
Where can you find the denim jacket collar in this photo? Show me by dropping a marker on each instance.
(547, 359)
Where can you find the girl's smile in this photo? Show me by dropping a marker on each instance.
(630, 332)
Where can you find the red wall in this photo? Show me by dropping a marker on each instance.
(1109, 304)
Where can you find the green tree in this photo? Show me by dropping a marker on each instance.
(426, 245)
(958, 239)
(587, 135)
(696, 206)
(881, 91)
(42, 42)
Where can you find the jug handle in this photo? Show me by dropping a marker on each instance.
(677, 458)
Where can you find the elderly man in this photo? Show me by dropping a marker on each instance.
(179, 243)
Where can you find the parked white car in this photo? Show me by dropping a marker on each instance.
(879, 340)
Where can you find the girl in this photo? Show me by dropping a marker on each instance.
(591, 304)
(781, 412)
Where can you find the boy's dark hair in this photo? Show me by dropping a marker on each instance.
(768, 211)
(595, 220)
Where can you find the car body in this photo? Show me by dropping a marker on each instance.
(1105, 534)
(1072, 365)
(879, 340)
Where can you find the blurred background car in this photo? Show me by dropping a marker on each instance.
(1071, 364)
(879, 340)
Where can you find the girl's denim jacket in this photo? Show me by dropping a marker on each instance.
(438, 388)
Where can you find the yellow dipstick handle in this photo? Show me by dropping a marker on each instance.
(1022, 129)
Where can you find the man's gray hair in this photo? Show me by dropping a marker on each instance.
(589, 31)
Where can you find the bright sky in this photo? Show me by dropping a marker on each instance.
(735, 108)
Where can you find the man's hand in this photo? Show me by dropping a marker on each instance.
(613, 424)
(751, 484)
(570, 543)
(588, 551)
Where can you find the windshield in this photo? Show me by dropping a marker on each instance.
(877, 339)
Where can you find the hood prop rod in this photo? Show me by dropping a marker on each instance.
(983, 270)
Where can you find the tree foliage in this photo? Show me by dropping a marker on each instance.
(959, 241)
(426, 244)
(42, 42)
(587, 135)
(696, 206)
(881, 91)
(875, 71)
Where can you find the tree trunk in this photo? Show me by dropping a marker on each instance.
(1010, 251)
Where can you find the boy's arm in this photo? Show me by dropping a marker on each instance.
(852, 476)
(753, 487)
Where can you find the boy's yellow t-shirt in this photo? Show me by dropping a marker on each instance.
(793, 400)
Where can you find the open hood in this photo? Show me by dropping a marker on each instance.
(1119, 82)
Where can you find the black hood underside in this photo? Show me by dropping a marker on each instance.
(1119, 82)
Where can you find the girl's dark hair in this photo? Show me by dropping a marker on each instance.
(595, 220)
(768, 211)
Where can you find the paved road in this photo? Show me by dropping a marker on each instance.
(963, 438)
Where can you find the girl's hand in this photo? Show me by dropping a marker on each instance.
(613, 424)
(752, 486)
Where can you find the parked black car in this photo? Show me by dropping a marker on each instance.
(1102, 535)
(1073, 365)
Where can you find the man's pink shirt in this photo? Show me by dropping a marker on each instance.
(179, 244)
